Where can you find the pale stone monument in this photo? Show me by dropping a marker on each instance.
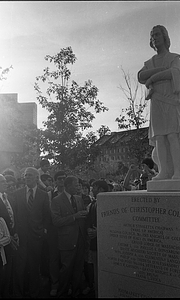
(161, 75)
(139, 231)
(138, 245)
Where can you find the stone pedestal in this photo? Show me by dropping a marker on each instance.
(139, 244)
(163, 185)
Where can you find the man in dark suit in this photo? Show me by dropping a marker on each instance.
(52, 237)
(69, 216)
(50, 247)
(32, 211)
(7, 213)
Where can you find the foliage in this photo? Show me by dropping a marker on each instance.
(31, 148)
(4, 72)
(103, 130)
(70, 108)
(137, 145)
(122, 169)
(134, 117)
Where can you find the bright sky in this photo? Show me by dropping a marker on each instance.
(103, 35)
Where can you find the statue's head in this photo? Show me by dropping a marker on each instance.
(164, 32)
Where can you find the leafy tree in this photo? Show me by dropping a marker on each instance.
(30, 137)
(135, 116)
(70, 108)
(103, 130)
(122, 169)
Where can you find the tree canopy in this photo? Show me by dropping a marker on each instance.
(71, 108)
(103, 130)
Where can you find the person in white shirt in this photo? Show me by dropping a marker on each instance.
(7, 213)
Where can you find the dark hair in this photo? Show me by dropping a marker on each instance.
(86, 184)
(44, 162)
(149, 162)
(101, 184)
(164, 32)
(59, 174)
(44, 177)
(91, 181)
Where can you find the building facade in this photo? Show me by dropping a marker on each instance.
(13, 117)
(120, 149)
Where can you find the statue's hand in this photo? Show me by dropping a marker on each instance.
(150, 92)
(148, 83)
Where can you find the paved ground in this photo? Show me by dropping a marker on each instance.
(46, 290)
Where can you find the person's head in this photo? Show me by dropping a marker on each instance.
(44, 165)
(71, 184)
(158, 36)
(47, 179)
(85, 188)
(8, 172)
(11, 183)
(91, 181)
(148, 162)
(79, 192)
(31, 176)
(99, 186)
(59, 178)
(3, 184)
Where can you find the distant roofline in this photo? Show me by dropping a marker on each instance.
(122, 134)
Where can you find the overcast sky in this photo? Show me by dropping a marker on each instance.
(103, 35)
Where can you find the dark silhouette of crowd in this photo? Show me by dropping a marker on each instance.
(48, 230)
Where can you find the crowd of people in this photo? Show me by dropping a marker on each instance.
(48, 224)
(48, 228)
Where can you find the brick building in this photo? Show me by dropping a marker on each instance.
(114, 149)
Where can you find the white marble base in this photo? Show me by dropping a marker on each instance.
(163, 185)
